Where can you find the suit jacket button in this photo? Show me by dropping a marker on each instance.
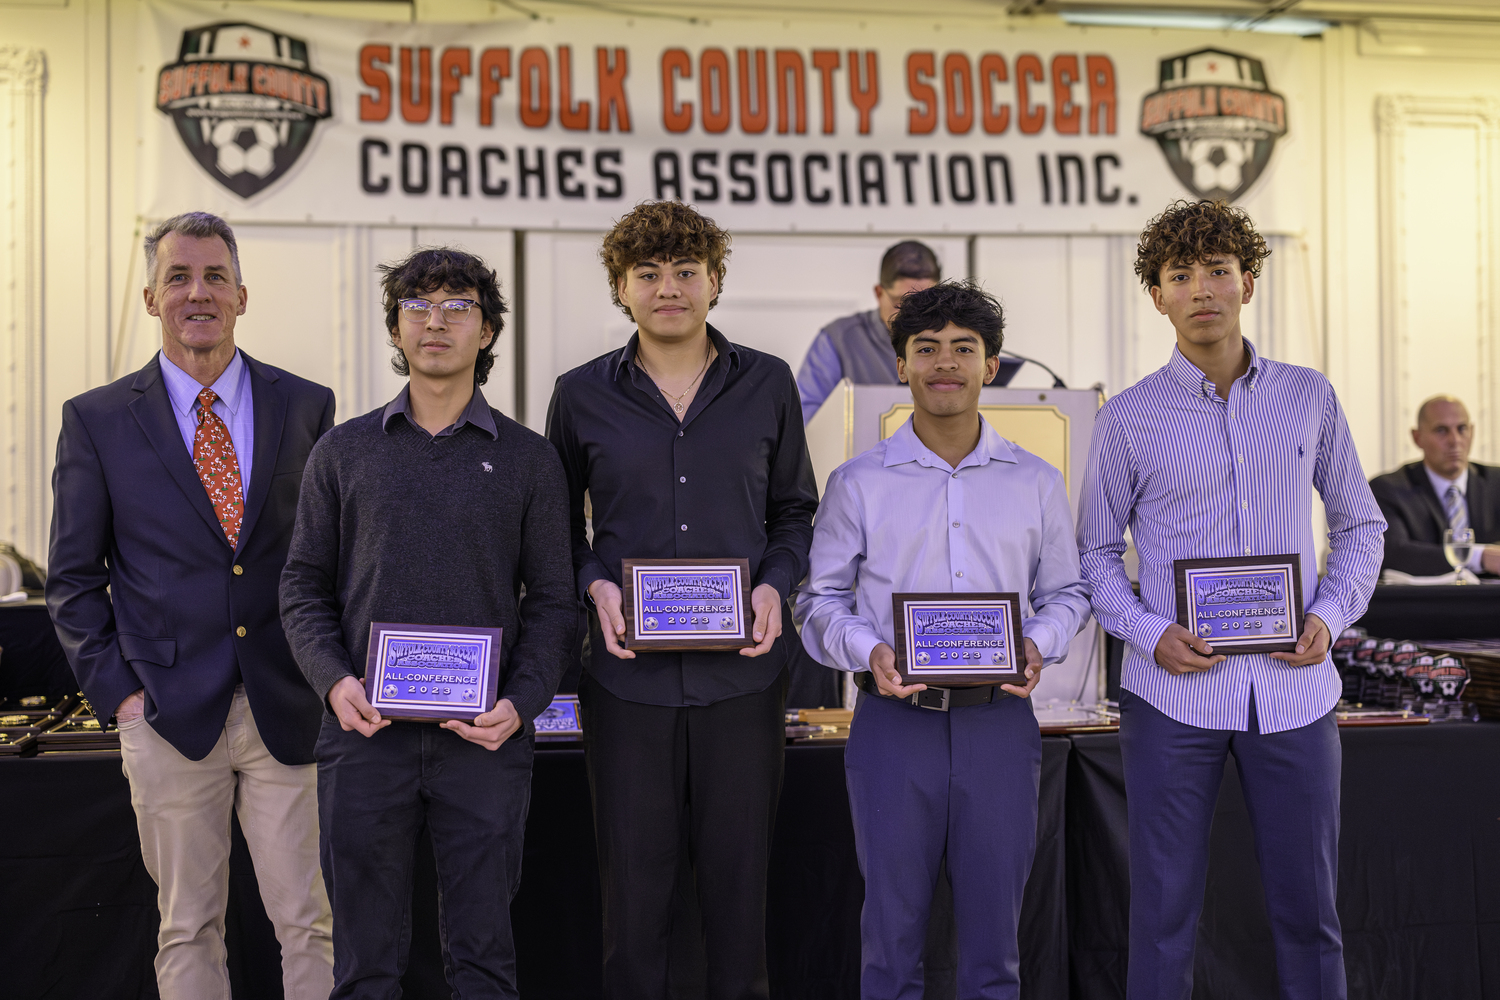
(239, 570)
(240, 631)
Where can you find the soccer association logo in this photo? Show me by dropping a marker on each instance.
(245, 101)
(1217, 121)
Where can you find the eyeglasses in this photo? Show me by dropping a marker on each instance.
(419, 310)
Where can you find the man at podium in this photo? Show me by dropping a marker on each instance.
(858, 347)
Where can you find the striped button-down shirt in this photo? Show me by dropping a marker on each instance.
(1194, 476)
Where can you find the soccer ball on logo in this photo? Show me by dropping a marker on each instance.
(1205, 629)
(245, 145)
(922, 658)
(389, 691)
(652, 623)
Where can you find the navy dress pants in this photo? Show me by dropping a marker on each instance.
(1291, 785)
(924, 785)
(374, 796)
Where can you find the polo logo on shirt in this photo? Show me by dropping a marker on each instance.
(487, 467)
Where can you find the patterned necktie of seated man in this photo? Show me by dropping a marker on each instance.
(218, 467)
(1456, 509)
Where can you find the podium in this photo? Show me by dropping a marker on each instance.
(1053, 424)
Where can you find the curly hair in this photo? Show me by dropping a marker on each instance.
(428, 269)
(1193, 232)
(962, 303)
(662, 231)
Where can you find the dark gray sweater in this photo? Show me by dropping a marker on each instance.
(397, 526)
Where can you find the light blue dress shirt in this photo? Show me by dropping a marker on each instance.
(234, 406)
(899, 519)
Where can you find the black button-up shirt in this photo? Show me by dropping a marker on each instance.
(732, 481)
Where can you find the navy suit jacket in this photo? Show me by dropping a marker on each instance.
(130, 514)
(1415, 521)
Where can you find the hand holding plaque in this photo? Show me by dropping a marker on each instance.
(432, 673)
(1241, 604)
(678, 605)
(959, 640)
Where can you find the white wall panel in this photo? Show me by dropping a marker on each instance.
(498, 248)
(779, 291)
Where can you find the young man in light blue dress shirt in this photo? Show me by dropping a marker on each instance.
(1217, 455)
(944, 505)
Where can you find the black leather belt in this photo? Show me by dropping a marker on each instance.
(938, 699)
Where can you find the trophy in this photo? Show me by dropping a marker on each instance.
(1419, 680)
(1343, 659)
(1449, 677)
(1364, 665)
(432, 673)
(676, 605)
(1241, 604)
(1396, 688)
(959, 640)
(1384, 673)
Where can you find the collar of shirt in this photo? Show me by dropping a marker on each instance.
(1193, 379)
(721, 344)
(1440, 485)
(476, 413)
(183, 389)
(904, 446)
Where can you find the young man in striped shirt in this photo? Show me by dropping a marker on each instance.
(1217, 455)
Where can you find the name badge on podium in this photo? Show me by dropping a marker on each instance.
(1242, 604)
(959, 640)
(430, 673)
(678, 605)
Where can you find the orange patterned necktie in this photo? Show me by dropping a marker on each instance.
(213, 454)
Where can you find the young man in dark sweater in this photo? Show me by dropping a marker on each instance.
(434, 510)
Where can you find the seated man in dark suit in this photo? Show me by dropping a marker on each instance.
(1444, 490)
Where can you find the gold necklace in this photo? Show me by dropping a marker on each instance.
(677, 400)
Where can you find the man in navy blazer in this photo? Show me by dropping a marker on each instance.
(175, 491)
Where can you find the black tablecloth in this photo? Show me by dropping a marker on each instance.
(1471, 612)
(1419, 871)
(83, 919)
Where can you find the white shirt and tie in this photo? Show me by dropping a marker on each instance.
(1453, 495)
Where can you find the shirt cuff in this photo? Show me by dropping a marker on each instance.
(586, 579)
(1476, 560)
(1147, 631)
(859, 646)
(1331, 615)
(1042, 632)
(777, 577)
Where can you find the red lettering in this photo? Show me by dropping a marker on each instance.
(675, 117)
(612, 89)
(494, 66)
(535, 72)
(753, 122)
(418, 108)
(1066, 116)
(1101, 75)
(994, 117)
(713, 83)
(574, 117)
(919, 70)
(1030, 117)
(789, 66)
(452, 68)
(864, 96)
(958, 93)
(826, 62)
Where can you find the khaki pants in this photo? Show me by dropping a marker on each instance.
(182, 808)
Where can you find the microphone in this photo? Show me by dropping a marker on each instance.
(1057, 382)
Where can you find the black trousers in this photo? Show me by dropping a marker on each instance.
(699, 779)
(374, 795)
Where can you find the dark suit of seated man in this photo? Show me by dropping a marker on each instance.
(1445, 490)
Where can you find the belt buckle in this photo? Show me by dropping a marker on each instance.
(942, 706)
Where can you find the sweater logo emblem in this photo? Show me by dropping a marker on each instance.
(487, 467)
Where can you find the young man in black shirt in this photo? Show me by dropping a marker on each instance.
(434, 510)
(688, 446)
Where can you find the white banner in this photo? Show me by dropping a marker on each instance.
(261, 114)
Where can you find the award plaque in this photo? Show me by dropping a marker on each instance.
(676, 605)
(1242, 604)
(959, 640)
(432, 673)
(559, 720)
